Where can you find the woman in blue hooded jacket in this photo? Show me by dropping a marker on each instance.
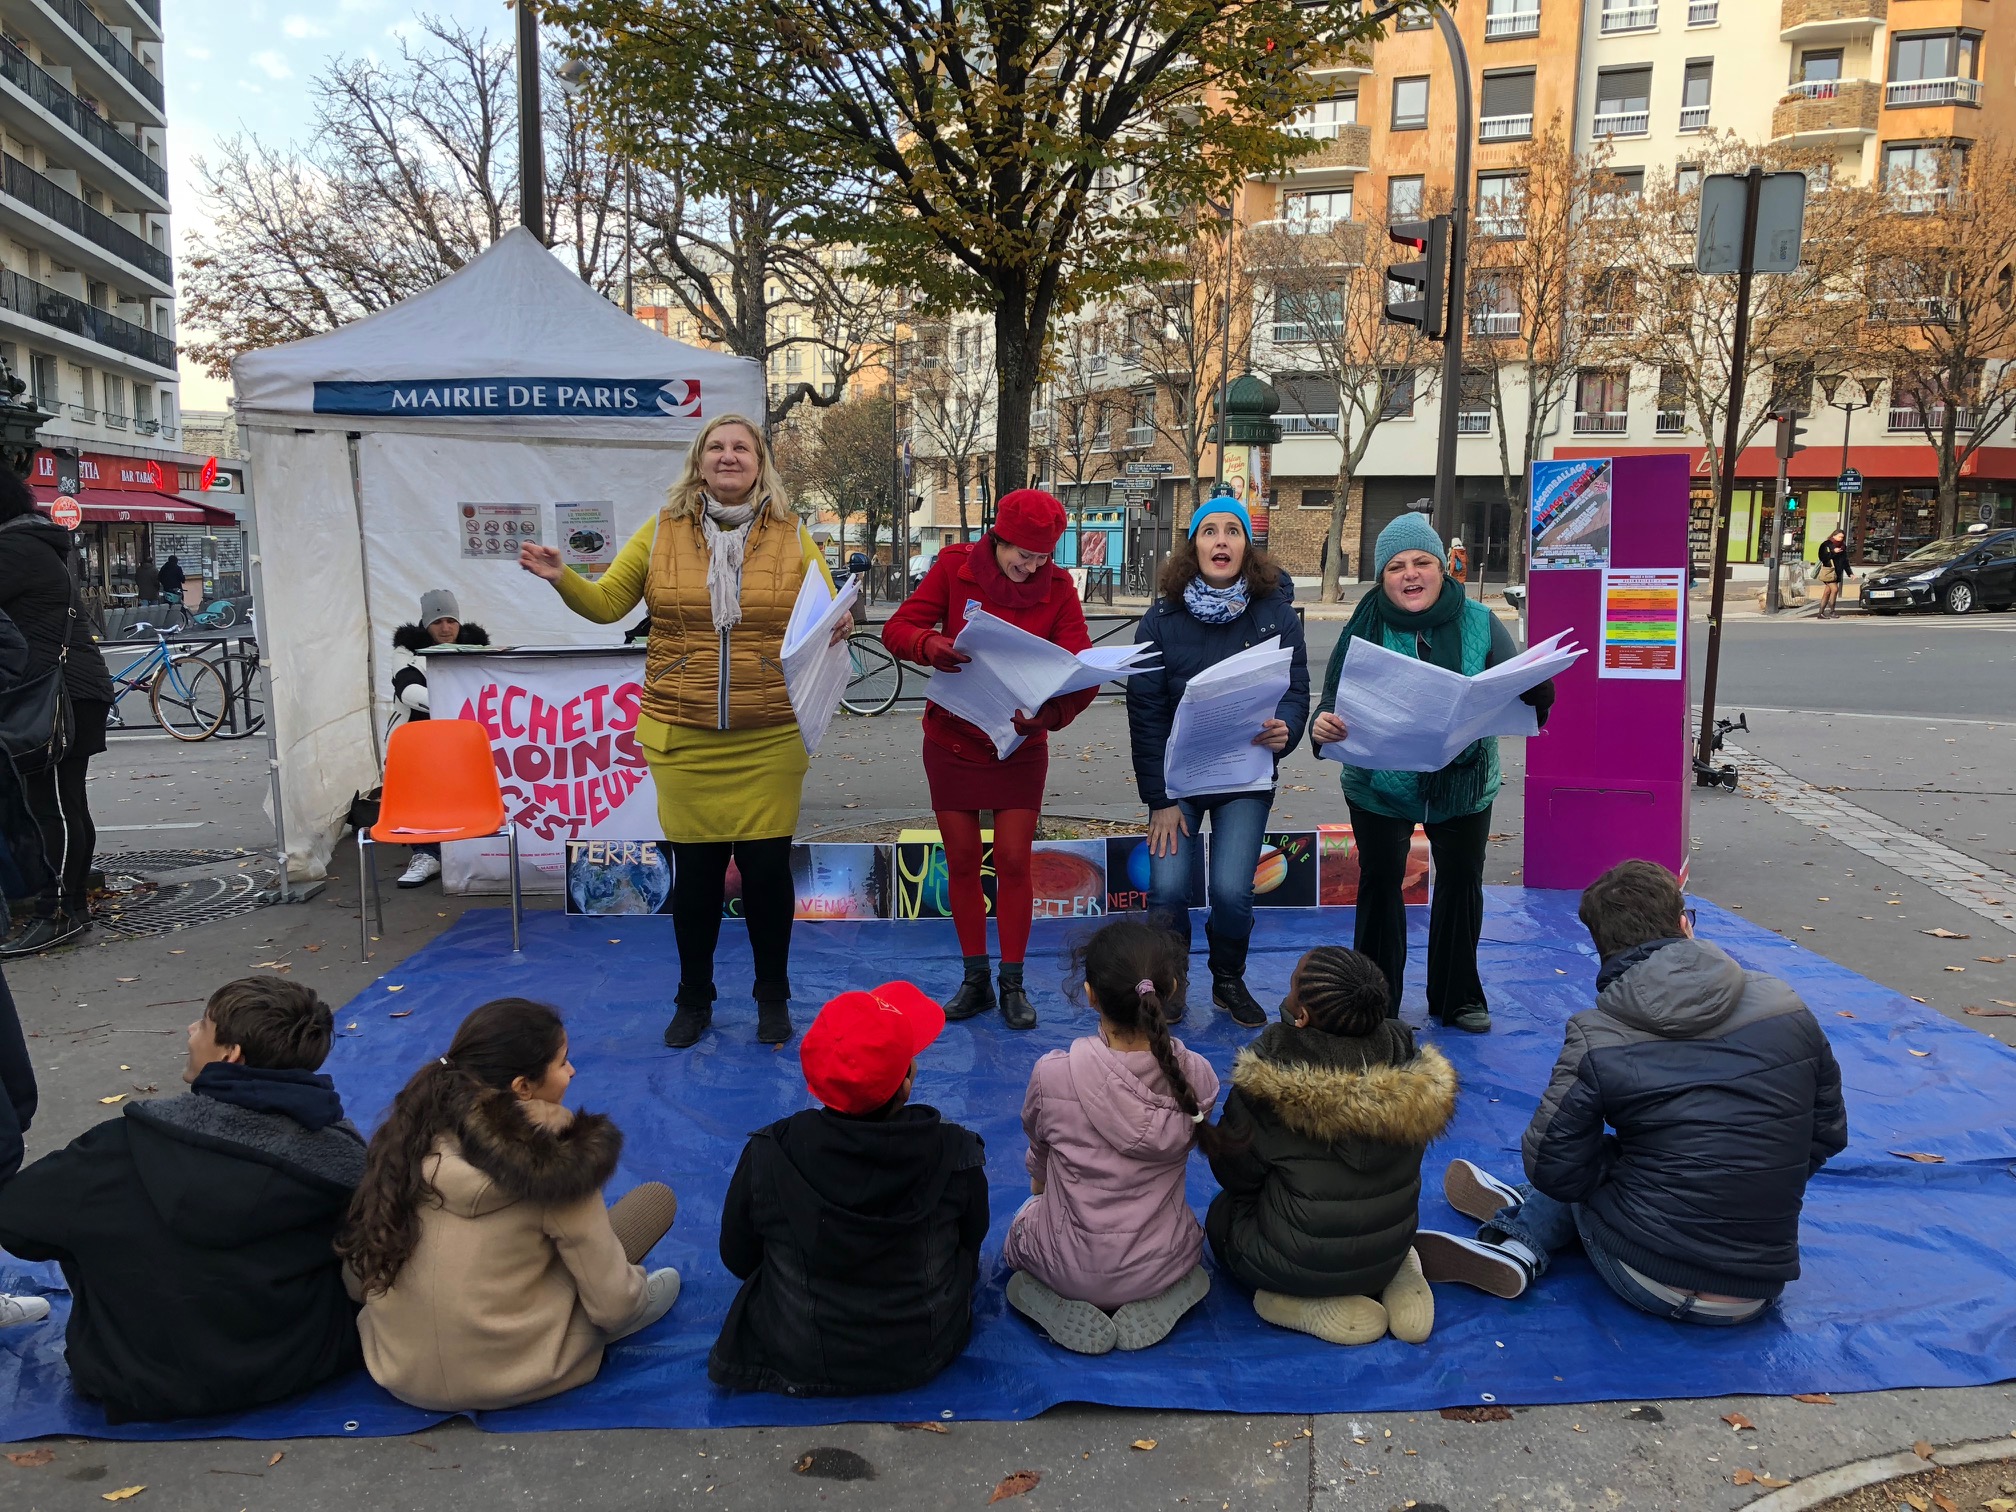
(1220, 594)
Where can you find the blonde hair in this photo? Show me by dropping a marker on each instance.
(686, 498)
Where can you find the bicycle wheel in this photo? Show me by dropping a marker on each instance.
(227, 614)
(874, 677)
(188, 698)
(245, 692)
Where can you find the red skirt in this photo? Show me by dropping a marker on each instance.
(963, 783)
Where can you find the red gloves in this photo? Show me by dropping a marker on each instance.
(938, 650)
(1049, 717)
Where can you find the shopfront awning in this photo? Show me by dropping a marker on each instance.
(111, 506)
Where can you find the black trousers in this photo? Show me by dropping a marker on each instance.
(58, 800)
(1455, 907)
(699, 878)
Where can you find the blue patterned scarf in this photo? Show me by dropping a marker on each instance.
(1215, 606)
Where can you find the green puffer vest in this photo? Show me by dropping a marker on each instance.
(1398, 794)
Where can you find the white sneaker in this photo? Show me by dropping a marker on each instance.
(422, 869)
(15, 1310)
(1476, 1193)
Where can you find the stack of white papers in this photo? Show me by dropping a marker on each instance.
(815, 670)
(1210, 747)
(1015, 672)
(1402, 714)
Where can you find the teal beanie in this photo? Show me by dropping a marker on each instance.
(1408, 532)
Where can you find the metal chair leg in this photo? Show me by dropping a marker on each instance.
(367, 893)
(511, 831)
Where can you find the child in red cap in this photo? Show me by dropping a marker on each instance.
(1009, 573)
(855, 1227)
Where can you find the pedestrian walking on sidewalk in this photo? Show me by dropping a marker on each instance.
(1834, 571)
(1416, 609)
(440, 624)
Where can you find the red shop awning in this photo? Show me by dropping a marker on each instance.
(115, 506)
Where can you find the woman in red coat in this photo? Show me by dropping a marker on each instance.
(1007, 572)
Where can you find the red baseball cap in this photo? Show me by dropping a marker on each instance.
(860, 1047)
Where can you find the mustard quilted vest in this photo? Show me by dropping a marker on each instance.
(731, 679)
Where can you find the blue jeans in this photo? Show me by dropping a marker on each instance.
(1238, 824)
(1545, 1225)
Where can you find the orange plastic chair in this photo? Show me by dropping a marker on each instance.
(440, 785)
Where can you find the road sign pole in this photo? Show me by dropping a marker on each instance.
(1446, 523)
(1732, 433)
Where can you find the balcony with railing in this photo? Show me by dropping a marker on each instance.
(1704, 12)
(30, 188)
(81, 120)
(1627, 17)
(1622, 123)
(1904, 94)
(1307, 425)
(1500, 26)
(1670, 422)
(1693, 117)
(1912, 417)
(1473, 422)
(66, 312)
(1494, 323)
(101, 39)
(1339, 241)
(1505, 128)
(1610, 322)
(1922, 201)
(1343, 148)
(1602, 422)
(1500, 225)
(1140, 437)
(1830, 20)
(1302, 332)
(1819, 112)
(1914, 309)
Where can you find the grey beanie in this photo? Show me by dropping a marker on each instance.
(1408, 532)
(439, 603)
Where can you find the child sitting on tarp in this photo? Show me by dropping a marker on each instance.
(1106, 1251)
(194, 1232)
(1725, 1099)
(1320, 1158)
(855, 1227)
(490, 1271)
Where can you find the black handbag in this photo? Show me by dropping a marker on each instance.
(36, 721)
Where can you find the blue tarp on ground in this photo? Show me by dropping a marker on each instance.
(1910, 1278)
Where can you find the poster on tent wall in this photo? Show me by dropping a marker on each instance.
(563, 733)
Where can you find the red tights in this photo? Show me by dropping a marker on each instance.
(1014, 830)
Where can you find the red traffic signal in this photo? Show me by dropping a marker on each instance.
(1421, 287)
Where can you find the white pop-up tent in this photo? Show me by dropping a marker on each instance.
(375, 450)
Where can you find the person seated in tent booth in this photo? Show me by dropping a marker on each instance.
(1724, 1099)
(440, 624)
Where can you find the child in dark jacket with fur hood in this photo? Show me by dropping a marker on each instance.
(1323, 1134)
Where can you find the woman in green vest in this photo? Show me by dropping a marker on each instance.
(1418, 610)
(719, 569)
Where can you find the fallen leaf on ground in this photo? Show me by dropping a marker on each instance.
(124, 1493)
(2000, 1504)
(1944, 1502)
(402, 1013)
(1922, 1449)
(922, 1428)
(1844, 1013)
(1143, 1444)
(1921, 1054)
(1018, 1483)
(1816, 1398)
(1772, 1481)
(1921, 1157)
(1737, 1421)
(1992, 960)
(1916, 999)
(2004, 1002)
(1989, 1012)
(1808, 928)
(1956, 968)
(1743, 1478)
(114, 1098)
(1945, 934)
(400, 987)
(32, 1459)
(1493, 1414)
(278, 1455)
(129, 979)
(1916, 1503)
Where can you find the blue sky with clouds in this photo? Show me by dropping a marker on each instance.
(245, 65)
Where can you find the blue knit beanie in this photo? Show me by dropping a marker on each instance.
(1408, 532)
(1222, 504)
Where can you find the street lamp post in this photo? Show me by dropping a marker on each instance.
(531, 139)
(1869, 386)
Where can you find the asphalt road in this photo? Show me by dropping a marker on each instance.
(1906, 730)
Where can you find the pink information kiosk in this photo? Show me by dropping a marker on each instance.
(1608, 780)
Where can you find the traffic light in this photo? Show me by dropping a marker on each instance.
(1421, 285)
(1789, 432)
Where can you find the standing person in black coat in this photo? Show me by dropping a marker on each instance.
(1220, 594)
(38, 593)
(1834, 571)
(171, 579)
(855, 1227)
(1724, 1099)
(196, 1233)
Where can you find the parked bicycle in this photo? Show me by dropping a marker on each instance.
(185, 693)
(244, 691)
(874, 676)
(219, 614)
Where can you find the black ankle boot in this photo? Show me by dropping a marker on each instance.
(1228, 981)
(1017, 1012)
(773, 1021)
(976, 994)
(694, 1016)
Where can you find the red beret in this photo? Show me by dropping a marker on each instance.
(1029, 518)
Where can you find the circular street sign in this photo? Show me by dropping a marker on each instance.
(67, 512)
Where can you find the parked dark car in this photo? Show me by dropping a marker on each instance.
(1959, 574)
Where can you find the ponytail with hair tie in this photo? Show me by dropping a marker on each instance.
(1143, 987)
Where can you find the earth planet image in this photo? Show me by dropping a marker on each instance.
(638, 882)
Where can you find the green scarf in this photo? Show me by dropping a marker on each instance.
(1459, 787)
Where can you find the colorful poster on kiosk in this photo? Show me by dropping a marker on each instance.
(1644, 623)
(1571, 514)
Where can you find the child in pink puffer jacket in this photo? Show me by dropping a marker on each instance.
(1106, 1252)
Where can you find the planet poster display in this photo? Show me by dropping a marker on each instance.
(842, 881)
(1285, 876)
(1337, 863)
(1067, 877)
(615, 878)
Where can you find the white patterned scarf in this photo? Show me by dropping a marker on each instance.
(726, 530)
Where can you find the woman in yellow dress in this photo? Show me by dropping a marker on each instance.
(718, 570)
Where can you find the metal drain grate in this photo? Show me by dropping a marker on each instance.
(158, 892)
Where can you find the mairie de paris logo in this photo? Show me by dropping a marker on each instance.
(680, 398)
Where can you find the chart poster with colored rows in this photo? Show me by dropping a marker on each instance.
(1645, 623)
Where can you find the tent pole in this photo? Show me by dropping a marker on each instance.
(364, 572)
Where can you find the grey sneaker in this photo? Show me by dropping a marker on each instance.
(661, 1290)
(1140, 1324)
(1077, 1326)
(18, 1310)
(1476, 1193)
(1488, 1267)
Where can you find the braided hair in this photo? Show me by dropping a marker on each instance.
(1343, 992)
(1132, 969)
